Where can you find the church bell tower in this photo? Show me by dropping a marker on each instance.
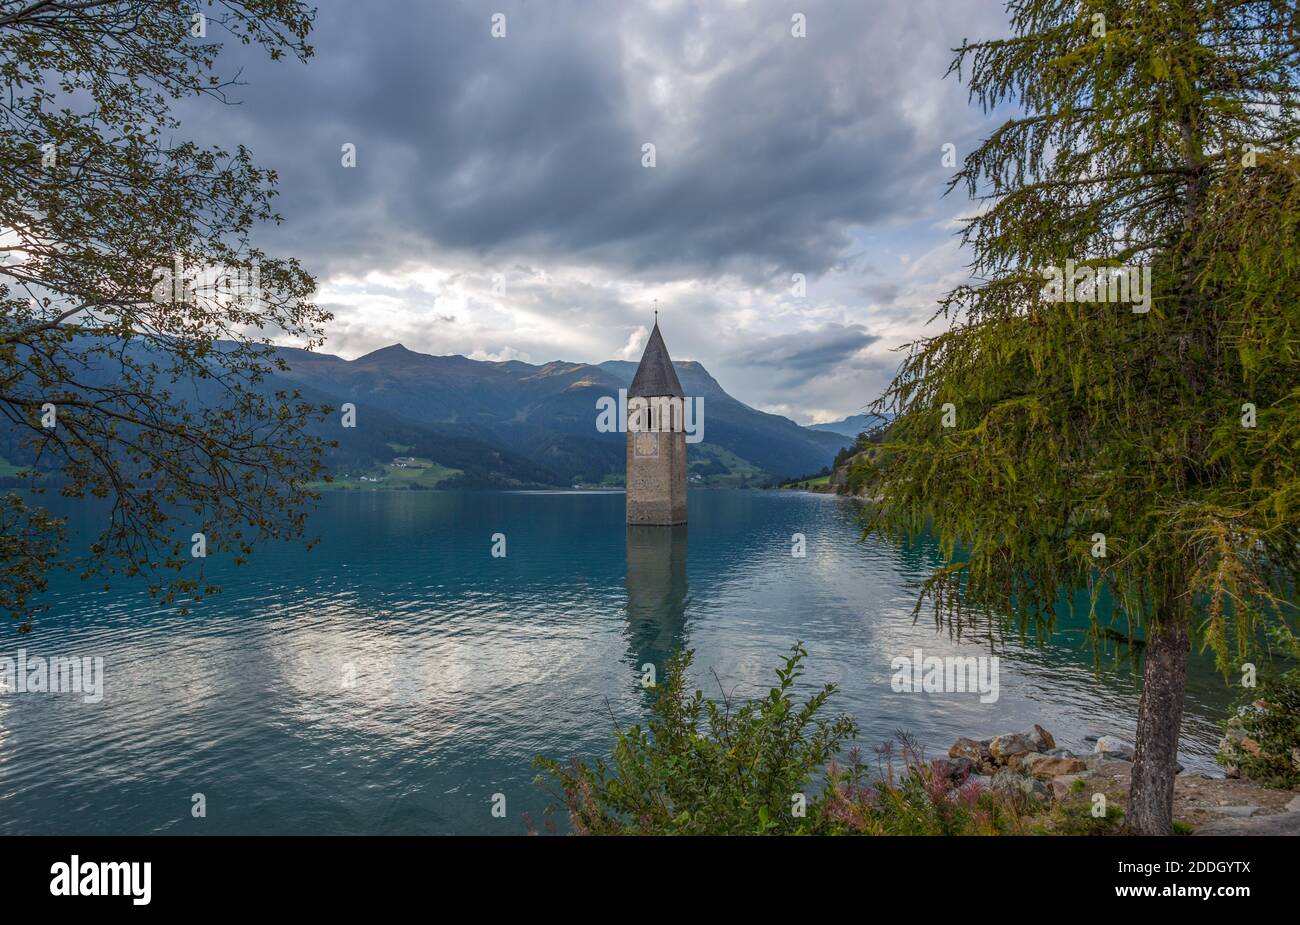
(656, 441)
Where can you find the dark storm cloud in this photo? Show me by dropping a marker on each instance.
(519, 159)
(808, 351)
(769, 148)
(882, 292)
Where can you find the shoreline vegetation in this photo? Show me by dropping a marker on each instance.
(772, 766)
(848, 473)
(1138, 448)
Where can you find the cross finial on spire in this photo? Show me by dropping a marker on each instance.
(656, 311)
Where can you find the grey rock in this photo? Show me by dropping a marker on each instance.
(1008, 783)
(1234, 812)
(1042, 738)
(1294, 805)
(1036, 789)
(1063, 786)
(1113, 746)
(1108, 763)
(1021, 763)
(1277, 824)
(1012, 745)
(1048, 766)
(954, 769)
(1061, 753)
(976, 751)
(1118, 756)
(1005, 780)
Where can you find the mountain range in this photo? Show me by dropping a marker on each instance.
(515, 423)
(854, 424)
(426, 421)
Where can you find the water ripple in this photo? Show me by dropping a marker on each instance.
(397, 677)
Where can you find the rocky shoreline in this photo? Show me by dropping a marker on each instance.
(1030, 763)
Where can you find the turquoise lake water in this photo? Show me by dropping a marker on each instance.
(396, 677)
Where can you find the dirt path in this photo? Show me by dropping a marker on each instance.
(1200, 800)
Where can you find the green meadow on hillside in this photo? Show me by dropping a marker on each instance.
(414, 473)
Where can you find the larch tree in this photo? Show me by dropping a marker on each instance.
(1111, 409)
(135, 308)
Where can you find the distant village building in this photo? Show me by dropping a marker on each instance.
(656, 450)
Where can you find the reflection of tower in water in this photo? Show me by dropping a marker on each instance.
(656, 593)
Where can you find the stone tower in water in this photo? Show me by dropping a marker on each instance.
(656, 443)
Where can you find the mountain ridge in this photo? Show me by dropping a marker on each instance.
(853, 425)
(546, 412)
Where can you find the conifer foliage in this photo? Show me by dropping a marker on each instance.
(1112, 404)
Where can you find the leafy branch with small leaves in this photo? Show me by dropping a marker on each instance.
(709, 767)
(157, 405)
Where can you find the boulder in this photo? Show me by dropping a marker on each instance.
(1043, 738)
(1010, 784)
(1035, 789)
(1294, 805)
(1012, 745)
(1113, 747)
(1234, 812)
(955, 770)
(1045, 767)
(1006, 782)
(1277, 824)
(1063, 785)
(1106, 766)
(970, 749)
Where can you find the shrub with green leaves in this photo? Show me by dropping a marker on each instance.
(704, 767)
(708, 768)
(1276, 728)
(1271, 722)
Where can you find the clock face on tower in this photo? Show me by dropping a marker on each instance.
(647, 444)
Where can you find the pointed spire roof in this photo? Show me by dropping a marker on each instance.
(655, 376)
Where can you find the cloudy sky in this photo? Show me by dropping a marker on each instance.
(500, 207)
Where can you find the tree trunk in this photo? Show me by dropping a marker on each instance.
(1160, 717)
